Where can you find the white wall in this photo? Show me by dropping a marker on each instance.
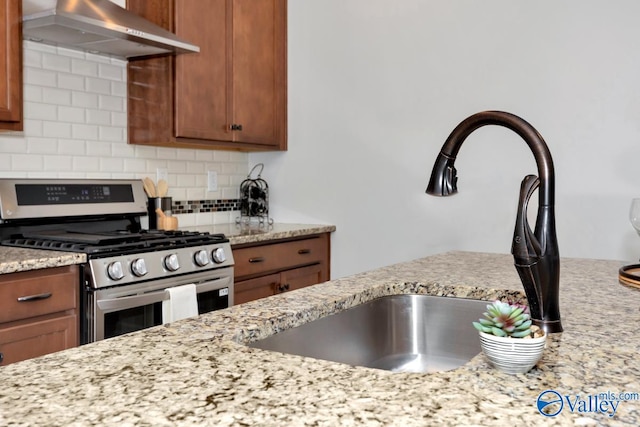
(376, 86)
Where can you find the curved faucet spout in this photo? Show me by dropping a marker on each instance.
(535, 253)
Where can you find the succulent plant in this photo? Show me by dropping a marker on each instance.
(505, 320)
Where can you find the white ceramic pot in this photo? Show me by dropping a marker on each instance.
(512, 355)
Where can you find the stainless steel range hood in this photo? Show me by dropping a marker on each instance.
(98, 26)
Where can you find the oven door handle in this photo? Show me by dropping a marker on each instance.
(122, 303)
(132, 301)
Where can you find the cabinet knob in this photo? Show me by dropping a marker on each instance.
(1, 357)
(235, 126)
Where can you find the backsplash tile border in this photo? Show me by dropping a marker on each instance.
(204, 206)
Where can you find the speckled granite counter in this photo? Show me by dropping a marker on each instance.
(239, 235)
(196, 372)
(14, 260)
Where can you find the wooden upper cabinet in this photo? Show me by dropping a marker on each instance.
(11, 65)
(230, 95)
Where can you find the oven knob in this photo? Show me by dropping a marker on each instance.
(139, 267)
(201, 258)
(115, 271)
(171, 262)
(218, 255)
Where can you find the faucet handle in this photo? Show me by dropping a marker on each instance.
(525, 247)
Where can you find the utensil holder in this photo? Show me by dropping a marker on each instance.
(164, 203)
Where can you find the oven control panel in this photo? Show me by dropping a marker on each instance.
(161, 264)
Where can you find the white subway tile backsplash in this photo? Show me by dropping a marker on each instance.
(119, 89)
(111, 103)
(39, 77)
(53, 129)
(111, 71)
(84, 99)
(56, 62)
(10, 144)
(110, 133)
(119, 119)
(167, 153)
(71, 81)
(71, 114)
(39, 145)
(56, 96)
(72, 147)
(58, 163)
(83, 67)
(111, 164)
(82, 131)
(99, 149)
(75, 109)
(27, 162)
(39, 111)
(32, 58)
(98, 117)
(5, 163)
(81, 163)
(96, 85)
(135, 165)
(32, 93)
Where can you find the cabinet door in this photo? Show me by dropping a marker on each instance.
(301, 277)
(11, 65)
(203, 80)
(259, 71)
(27, 339)
(261, 287)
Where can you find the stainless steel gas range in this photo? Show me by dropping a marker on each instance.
(128, 269)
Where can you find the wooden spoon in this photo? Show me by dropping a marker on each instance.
(163, 188)
(149, 187)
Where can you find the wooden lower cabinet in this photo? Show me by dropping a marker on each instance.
(33, 338)
(265, 270)
(39, 313)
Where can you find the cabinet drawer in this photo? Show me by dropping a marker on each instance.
(279, 256)
(35, 293)
(260, 287)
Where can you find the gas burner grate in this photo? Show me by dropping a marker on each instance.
(144, 241)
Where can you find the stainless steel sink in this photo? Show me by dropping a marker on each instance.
(400, 333)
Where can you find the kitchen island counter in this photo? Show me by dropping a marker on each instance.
(198, 372)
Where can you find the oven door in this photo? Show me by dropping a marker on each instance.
(120, 310)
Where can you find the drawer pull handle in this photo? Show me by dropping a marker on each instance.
(257, 259)
(35, 297)
(304, 251)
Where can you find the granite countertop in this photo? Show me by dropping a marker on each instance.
(13, 260)
(198, 372)
(242, 234)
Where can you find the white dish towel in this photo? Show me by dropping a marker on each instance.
(182, 303)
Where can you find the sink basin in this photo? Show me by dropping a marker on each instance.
(400, 333)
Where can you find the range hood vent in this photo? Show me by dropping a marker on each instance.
(100, 27)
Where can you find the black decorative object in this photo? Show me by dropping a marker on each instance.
(254, 199)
